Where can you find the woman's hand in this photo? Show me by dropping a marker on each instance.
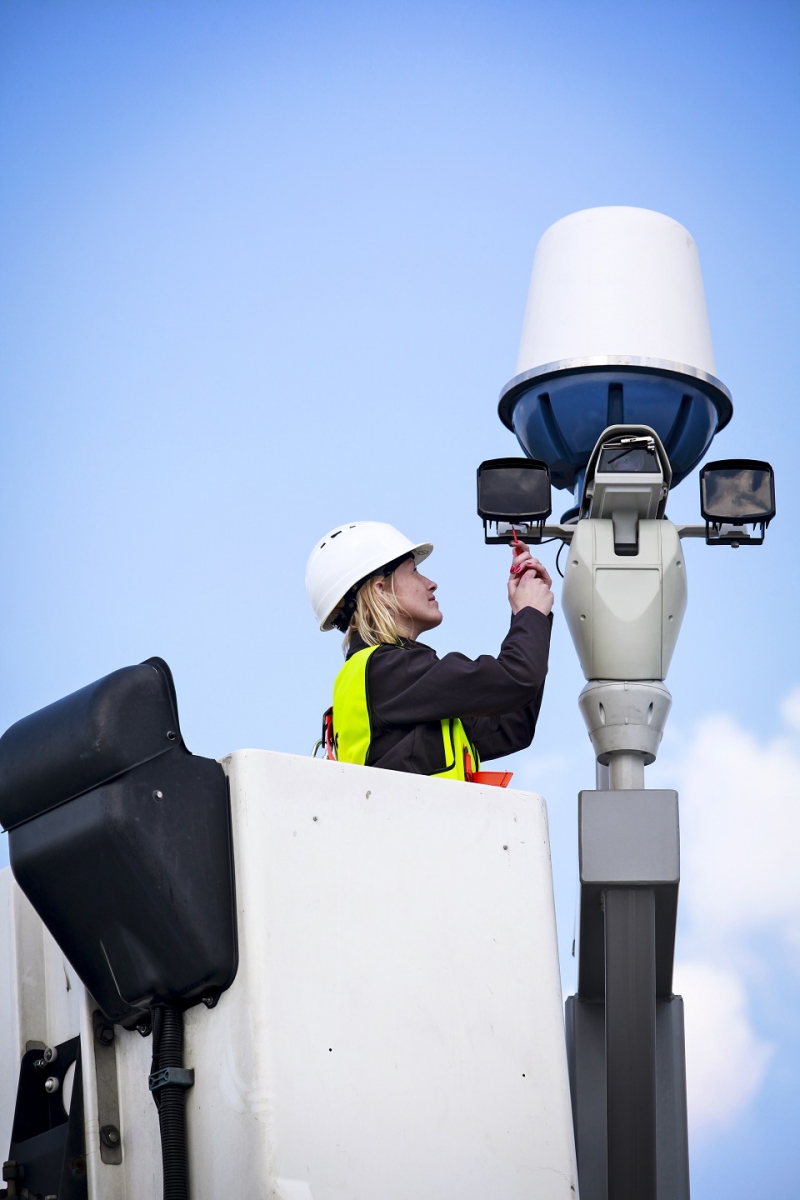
(529, 583)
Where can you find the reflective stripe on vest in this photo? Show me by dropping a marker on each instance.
(352, 729)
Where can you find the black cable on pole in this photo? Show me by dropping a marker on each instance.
(170, 1099)
(157, 1019)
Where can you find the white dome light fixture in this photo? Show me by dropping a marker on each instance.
(616, 332)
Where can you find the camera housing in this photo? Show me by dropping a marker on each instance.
(628, 477)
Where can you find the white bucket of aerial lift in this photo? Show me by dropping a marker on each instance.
(617, 286)
(395, 1028)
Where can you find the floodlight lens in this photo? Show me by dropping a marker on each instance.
(513, 491)
(738, 493)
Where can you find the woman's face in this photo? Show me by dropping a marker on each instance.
(415, 595)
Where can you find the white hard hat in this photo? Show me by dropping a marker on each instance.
(348, 556)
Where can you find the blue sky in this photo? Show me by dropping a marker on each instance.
(263, 269)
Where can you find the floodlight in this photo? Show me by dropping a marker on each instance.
(513, 496)
(735, 493)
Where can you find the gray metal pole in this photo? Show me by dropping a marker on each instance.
(626, 770)
(630, 952)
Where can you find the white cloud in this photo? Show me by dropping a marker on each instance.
(725, 1059)
(740, 828)
(790, 710)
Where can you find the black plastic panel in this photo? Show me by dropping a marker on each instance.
(85, 739)
(47, 1143)
(133, 877)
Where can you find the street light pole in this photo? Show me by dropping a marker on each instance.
(616, 355)
(624, 613)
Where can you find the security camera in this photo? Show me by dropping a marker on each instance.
(627, 480)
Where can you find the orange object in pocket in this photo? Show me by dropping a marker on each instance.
(493, 778)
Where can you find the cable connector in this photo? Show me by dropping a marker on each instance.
(182, 1077)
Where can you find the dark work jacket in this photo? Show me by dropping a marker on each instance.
(410, 690)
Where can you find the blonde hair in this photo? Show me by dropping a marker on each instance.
(375, 619)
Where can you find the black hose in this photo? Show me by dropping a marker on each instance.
(171, 1102)
(157, 1021)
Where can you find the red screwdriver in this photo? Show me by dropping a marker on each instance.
(518, 546)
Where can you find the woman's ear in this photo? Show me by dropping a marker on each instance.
(380, 584)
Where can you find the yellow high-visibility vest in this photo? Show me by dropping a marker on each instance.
(352, 730)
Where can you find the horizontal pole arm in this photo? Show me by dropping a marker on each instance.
(565, 532)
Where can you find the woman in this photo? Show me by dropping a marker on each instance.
(396, 704)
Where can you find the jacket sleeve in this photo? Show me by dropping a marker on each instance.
(497, 698)
(494, 737)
